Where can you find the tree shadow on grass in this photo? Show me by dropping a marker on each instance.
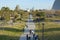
(52, 29)
(48, 30)
(6, 37)
(11, 29)
(52, 37)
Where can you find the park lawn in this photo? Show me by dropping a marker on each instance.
(52, 19)
(51, 30)
(12, 32)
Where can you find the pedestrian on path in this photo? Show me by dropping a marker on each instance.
(36, 37)
(27, 37)
(30, 31)
(33, 36)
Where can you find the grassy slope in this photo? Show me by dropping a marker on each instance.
(13, 32)
(52, 31)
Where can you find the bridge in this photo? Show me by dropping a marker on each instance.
(56, 5)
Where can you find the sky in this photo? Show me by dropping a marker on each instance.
(27, 4)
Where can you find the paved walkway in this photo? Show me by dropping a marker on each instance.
(31, 26)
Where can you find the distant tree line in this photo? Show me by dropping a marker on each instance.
(7, 14)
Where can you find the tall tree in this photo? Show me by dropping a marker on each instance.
(5, 13)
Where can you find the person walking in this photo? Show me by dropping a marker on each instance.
(36, 37)
(33, 36)
(30, 31)
(27, 37)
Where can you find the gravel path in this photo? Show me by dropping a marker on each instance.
(31, 26)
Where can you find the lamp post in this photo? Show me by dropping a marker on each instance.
(42, 31)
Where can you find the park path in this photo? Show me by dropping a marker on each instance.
(31, 26)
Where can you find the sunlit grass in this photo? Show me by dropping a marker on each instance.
(51, 30)
(12, 32)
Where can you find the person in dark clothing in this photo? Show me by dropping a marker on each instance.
(36, 37)
(30, 31)
(27, 37)
(33, 36)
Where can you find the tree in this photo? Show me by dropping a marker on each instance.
(40, 14)
(5, 11)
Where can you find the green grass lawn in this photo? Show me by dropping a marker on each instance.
(11, 32)
(51, 30)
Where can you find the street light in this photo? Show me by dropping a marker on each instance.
(42, 31)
